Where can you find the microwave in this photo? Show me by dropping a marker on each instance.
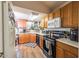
(54, 23)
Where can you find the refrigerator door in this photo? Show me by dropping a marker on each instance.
(1, 32)
(9, 33)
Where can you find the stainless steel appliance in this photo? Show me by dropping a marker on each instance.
(74, 34)
(52, 35)
(49, 47)
(38, 39)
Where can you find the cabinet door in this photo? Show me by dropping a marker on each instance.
(62, 16)
(56, 13)
(67, 15)
(42, 23)
(24, 38)
(59, 52)
(68, 54)
(78, 14)
(75, 14)
(50, 16)
(32, 38)
(70, 15)
(41, 42)
(46, 22)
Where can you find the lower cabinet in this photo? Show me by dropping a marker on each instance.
(59, 52)
(41, 41)
(65, 51)
(32, 37)
(67, 54)
(23, 38)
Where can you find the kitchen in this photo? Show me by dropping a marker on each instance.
(48, 32)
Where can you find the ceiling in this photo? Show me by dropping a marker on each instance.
(40, 6)
(27, 9)
(26, 14)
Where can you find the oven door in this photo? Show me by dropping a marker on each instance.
(49, 47)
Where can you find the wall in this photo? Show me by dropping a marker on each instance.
(21, 23)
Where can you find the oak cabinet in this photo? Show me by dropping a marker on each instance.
(32, 37)
(69, 15)
(24, 38)
(59, 52)
(66, 15)
(46, 22)
(42, 23)
(56, 13)
(65, 51)
(75, 14)
(67, 54)
(41, 41)
(50, 16)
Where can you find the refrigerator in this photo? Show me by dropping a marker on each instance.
(7, 30)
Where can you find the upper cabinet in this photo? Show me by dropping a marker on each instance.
(50, 16)
(42, 23)
(75, 6)
(46, 22)
(66, 15)
(56, 13)
(69, 15)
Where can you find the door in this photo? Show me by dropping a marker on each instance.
(59, 52)
(1, 34)
(69, 54)
(67, 15)
(75, 14)
(41, 41)
(32, 37)
(9, 33)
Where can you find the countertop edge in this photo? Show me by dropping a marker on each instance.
(68, 43)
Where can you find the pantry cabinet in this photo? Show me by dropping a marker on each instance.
(65, 51)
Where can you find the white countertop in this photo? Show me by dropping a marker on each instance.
(69, 42)
(34, 33)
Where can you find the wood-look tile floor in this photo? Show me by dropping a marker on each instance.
(23, 51)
